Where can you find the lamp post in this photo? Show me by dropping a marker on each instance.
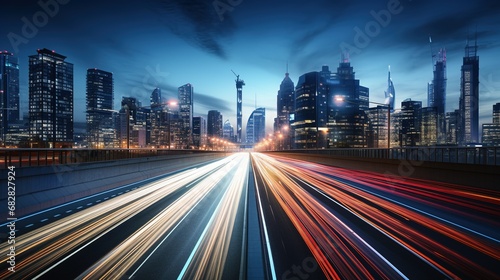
(341, 99)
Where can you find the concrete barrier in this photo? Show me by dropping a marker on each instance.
(474, 175)
(38, 188)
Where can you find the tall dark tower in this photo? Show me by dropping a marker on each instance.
(185, 95)
(439, 101)
(285, 102)
(99, 100)
(469, 97)
(239, 99)
(50, 100)
(9, 92)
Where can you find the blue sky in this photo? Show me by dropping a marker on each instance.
(170, 43)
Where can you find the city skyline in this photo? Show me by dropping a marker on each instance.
(258, 51)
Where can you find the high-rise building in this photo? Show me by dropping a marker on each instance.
(377, 128)
(142, 127)
(452, 127)
(469, 97)
(228, 131)
(347, 103)
(428, 130)
(390, 93)
(330, 109)
(496, 113)
(155, 98)
(9, 93)
(304, 123)
(285, 103)
(134, 124)
(126, 121)
(437, 98)
(256, 126)
(411, 123)
(239, 114)
(491, 131)
(199, 132)
(214, 124)
(185, 95)
(50, 100)
(396, 128)
(285, 109)
(99, 99)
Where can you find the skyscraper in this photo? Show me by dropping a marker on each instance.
(228, 131)
(437, 98)
(411, 121)
(256, 126)
(127, 120)
(390, 93)
(452, 127)
(99, 98)
(9, 93)
(304, 123)
(377, 128)
(214, 124)
(347, 120)
(428, 135)
(491, 131)
(155, 98)
(239, 114)
(285, 103)
(469, 97)
(50, 100)
(185, 96)
(159, 119)
(199, 132)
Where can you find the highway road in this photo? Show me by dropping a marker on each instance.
(183, 226)
(292, 219)
(327, 222)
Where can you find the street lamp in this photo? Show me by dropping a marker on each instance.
(341, 99)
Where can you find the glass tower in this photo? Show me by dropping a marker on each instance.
(469, 97)
(9, 93)
(256, 126)
(437, 98)
(50, 100)
(99, 98)
(214, 124)
(185, 95)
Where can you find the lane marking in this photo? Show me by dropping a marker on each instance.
(266, 235)
(163, 240)
(145, 181)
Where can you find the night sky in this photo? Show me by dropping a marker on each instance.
(170, 43)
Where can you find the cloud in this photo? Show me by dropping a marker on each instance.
(197, 22)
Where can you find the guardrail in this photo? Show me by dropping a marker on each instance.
(463, 155)
(42, 157)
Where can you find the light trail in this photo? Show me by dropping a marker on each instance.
(333, 244)
(208, 258)
(37, 250)
(426, 234)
